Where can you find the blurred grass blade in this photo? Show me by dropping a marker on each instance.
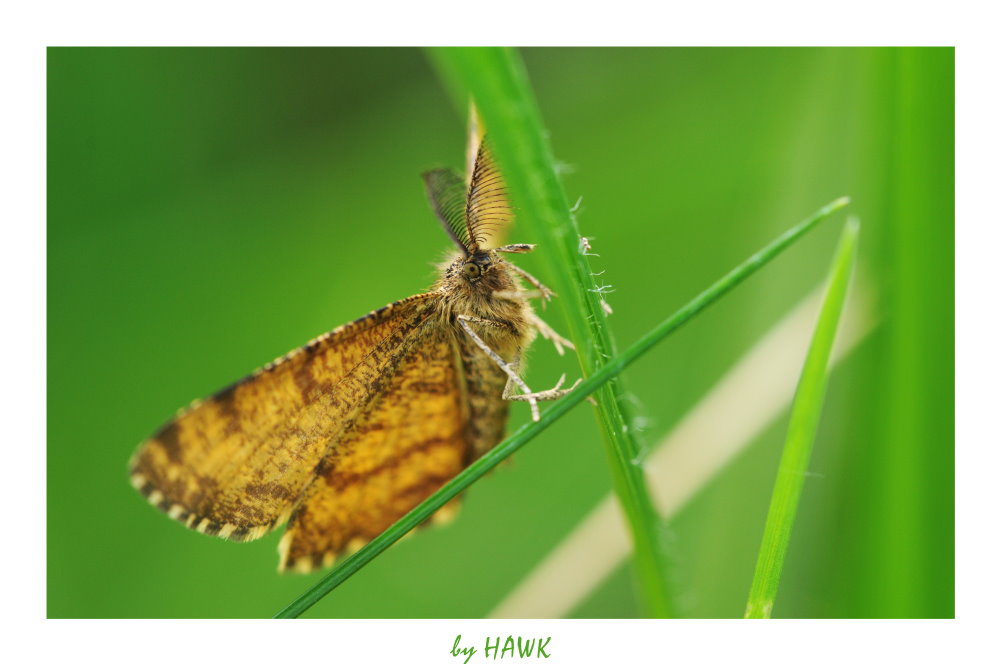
(515, 441)
(802, 427)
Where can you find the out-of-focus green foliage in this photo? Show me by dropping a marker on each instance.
(210, 209)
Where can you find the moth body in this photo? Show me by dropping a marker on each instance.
(494, 294)
(344, 435)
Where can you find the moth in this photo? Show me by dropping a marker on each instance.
(343, 436)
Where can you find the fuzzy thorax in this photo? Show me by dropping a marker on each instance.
(485, 286)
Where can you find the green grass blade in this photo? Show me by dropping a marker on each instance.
(802, 427)
(496, 79)
(612, 368)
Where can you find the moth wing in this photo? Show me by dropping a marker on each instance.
(488, 211)
(236, 464)
(411, 440)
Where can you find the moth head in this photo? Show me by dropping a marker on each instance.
(477, 272)
(476, 266)
(473, 280)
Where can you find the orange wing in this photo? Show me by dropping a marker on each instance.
(410, 441)
(236, 464)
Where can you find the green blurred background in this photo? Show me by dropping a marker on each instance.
(210, 209)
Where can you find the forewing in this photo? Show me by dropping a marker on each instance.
(488, 212)
(410, 441)
(237, 463)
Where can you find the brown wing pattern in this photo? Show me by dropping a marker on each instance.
(406, 445)
(237, 463)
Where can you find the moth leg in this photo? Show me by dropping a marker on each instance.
(513, 295)
(506, 367)
(545, 291)
(509, 393)
(548, 333)
(510, 368)
(509, 388)
(545, 395)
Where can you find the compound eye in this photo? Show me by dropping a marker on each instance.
(471, 270)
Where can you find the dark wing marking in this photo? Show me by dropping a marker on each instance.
(410, 441)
